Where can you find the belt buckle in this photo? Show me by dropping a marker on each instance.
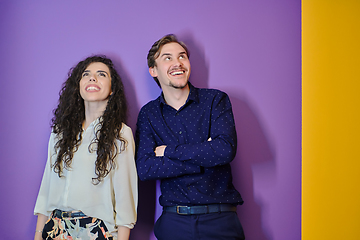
(207, 209)
(68, 214)
(178, 212)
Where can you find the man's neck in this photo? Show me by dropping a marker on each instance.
(176, 97)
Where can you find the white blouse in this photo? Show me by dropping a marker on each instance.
(114, 200)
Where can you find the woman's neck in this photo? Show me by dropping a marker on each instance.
(93, 110)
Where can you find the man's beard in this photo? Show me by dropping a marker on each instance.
(178, 86)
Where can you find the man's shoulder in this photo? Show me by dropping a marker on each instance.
(209, 92)
(151, 105)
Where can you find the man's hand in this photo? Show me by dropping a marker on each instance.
(159, 151)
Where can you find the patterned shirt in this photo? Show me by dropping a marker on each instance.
(201, 142)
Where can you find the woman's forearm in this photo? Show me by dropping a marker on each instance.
(123, 233)
(41, 220)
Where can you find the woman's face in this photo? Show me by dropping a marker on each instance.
(95, 83)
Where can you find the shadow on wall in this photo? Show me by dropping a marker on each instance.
(133, 108)
(253, 151)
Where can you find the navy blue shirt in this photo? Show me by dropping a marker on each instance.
(201, 142)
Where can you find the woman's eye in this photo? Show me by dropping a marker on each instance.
(85, 74)
(102, 74)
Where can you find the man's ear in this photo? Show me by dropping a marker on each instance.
(153, 72)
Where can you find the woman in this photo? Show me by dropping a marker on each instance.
(89, 187)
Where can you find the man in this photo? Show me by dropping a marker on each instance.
(187, 138)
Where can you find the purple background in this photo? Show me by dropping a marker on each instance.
(249, 49)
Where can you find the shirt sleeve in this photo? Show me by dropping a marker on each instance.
(125, 183)
(218, 150)
(151, 167)
(42, 199)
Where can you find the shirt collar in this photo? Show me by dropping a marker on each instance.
(193, 95)
(96, 124)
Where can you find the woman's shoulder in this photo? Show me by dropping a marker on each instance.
(125, 127)
(54, 137)
(126, 131)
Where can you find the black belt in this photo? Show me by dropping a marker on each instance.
(202, 209)
(62, 214)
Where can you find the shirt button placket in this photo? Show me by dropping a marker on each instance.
(180, 128)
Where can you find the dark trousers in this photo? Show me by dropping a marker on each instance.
(212, 226)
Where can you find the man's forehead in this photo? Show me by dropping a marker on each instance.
(172, 48)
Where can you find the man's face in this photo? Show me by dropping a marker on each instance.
(172, 67)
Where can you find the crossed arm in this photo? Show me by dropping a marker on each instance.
(157, 160)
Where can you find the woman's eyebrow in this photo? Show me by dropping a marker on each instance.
(102, 71)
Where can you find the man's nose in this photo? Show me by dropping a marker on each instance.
(177, 62)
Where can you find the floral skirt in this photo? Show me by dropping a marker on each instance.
(79, 228)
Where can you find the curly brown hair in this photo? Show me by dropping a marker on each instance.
(70, 114)
(156, 49)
